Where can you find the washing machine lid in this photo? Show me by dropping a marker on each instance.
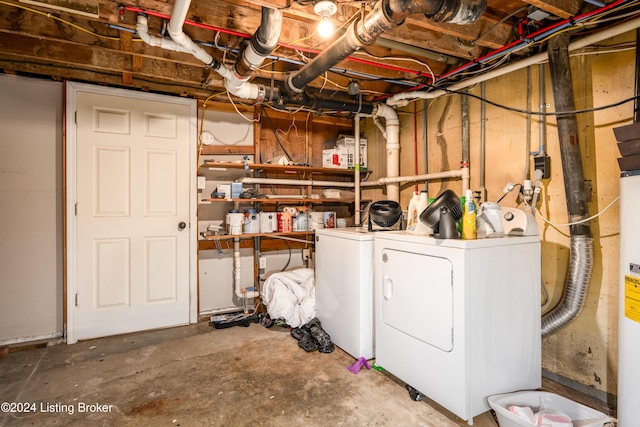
(351, 233)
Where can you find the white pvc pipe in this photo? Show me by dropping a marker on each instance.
(401, 99)
(236, 273)
(254, 180)
(376, 121)
(142, 29)
(427, 176)
(356, 165)
(462, 173)
(181, 42)
(466, 179)
(178, 16)
(392, 125)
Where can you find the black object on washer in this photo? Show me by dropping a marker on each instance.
(446, 207)
(385, 213)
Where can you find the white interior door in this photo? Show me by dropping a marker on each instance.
(132, 213)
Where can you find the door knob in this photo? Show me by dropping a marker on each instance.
(182, 225)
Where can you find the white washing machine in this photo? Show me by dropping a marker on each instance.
(458, 320)
(344, 288)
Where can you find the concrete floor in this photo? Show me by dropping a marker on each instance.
(200, 376)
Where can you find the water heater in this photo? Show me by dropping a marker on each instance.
(629, 308)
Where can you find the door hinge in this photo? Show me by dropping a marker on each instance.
(75, 117)
(75, 208)
(76, 299)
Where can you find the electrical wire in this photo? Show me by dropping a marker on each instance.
(580, 221)
(545, 113)
(249, 119)
(534, 37)
(289, 260)
(64, 21)
(545, 292)
(491, 28)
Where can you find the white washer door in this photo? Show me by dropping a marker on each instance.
(417, 296)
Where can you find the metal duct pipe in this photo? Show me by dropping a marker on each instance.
(576, 288)
(581, 259)
(466, 137)
(385, 15)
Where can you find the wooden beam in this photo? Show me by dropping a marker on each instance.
(125, 44)
(223, 150)
(562, 8)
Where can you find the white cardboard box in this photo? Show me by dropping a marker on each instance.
(345, 144)
(332, 158)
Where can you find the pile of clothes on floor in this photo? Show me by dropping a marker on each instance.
(290, 297)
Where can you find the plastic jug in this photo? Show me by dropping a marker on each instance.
(413, 216)
(251, 221)
(422, 203)
(489, 221)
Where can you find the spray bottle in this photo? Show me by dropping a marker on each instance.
(469, 217)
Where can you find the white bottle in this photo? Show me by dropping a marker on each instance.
(423, 201)
(412, 212)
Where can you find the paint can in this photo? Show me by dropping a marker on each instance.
(268, 222)
(251, 221)
(316, 221)
(234, 221)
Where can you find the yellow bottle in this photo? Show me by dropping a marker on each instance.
(469, 217)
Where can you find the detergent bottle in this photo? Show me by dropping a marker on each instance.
(423, 202)
(469, 217)
(412, 212)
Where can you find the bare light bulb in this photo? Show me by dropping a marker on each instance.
(325, 27)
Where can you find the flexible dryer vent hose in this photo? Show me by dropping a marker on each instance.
(575, 293)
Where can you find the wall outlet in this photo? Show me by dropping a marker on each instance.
(306, 253)
(263, 263)
(202, 182)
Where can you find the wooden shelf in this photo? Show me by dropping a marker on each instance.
(210, 241)
(281, 168)
(251, 235)
(281, 200)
